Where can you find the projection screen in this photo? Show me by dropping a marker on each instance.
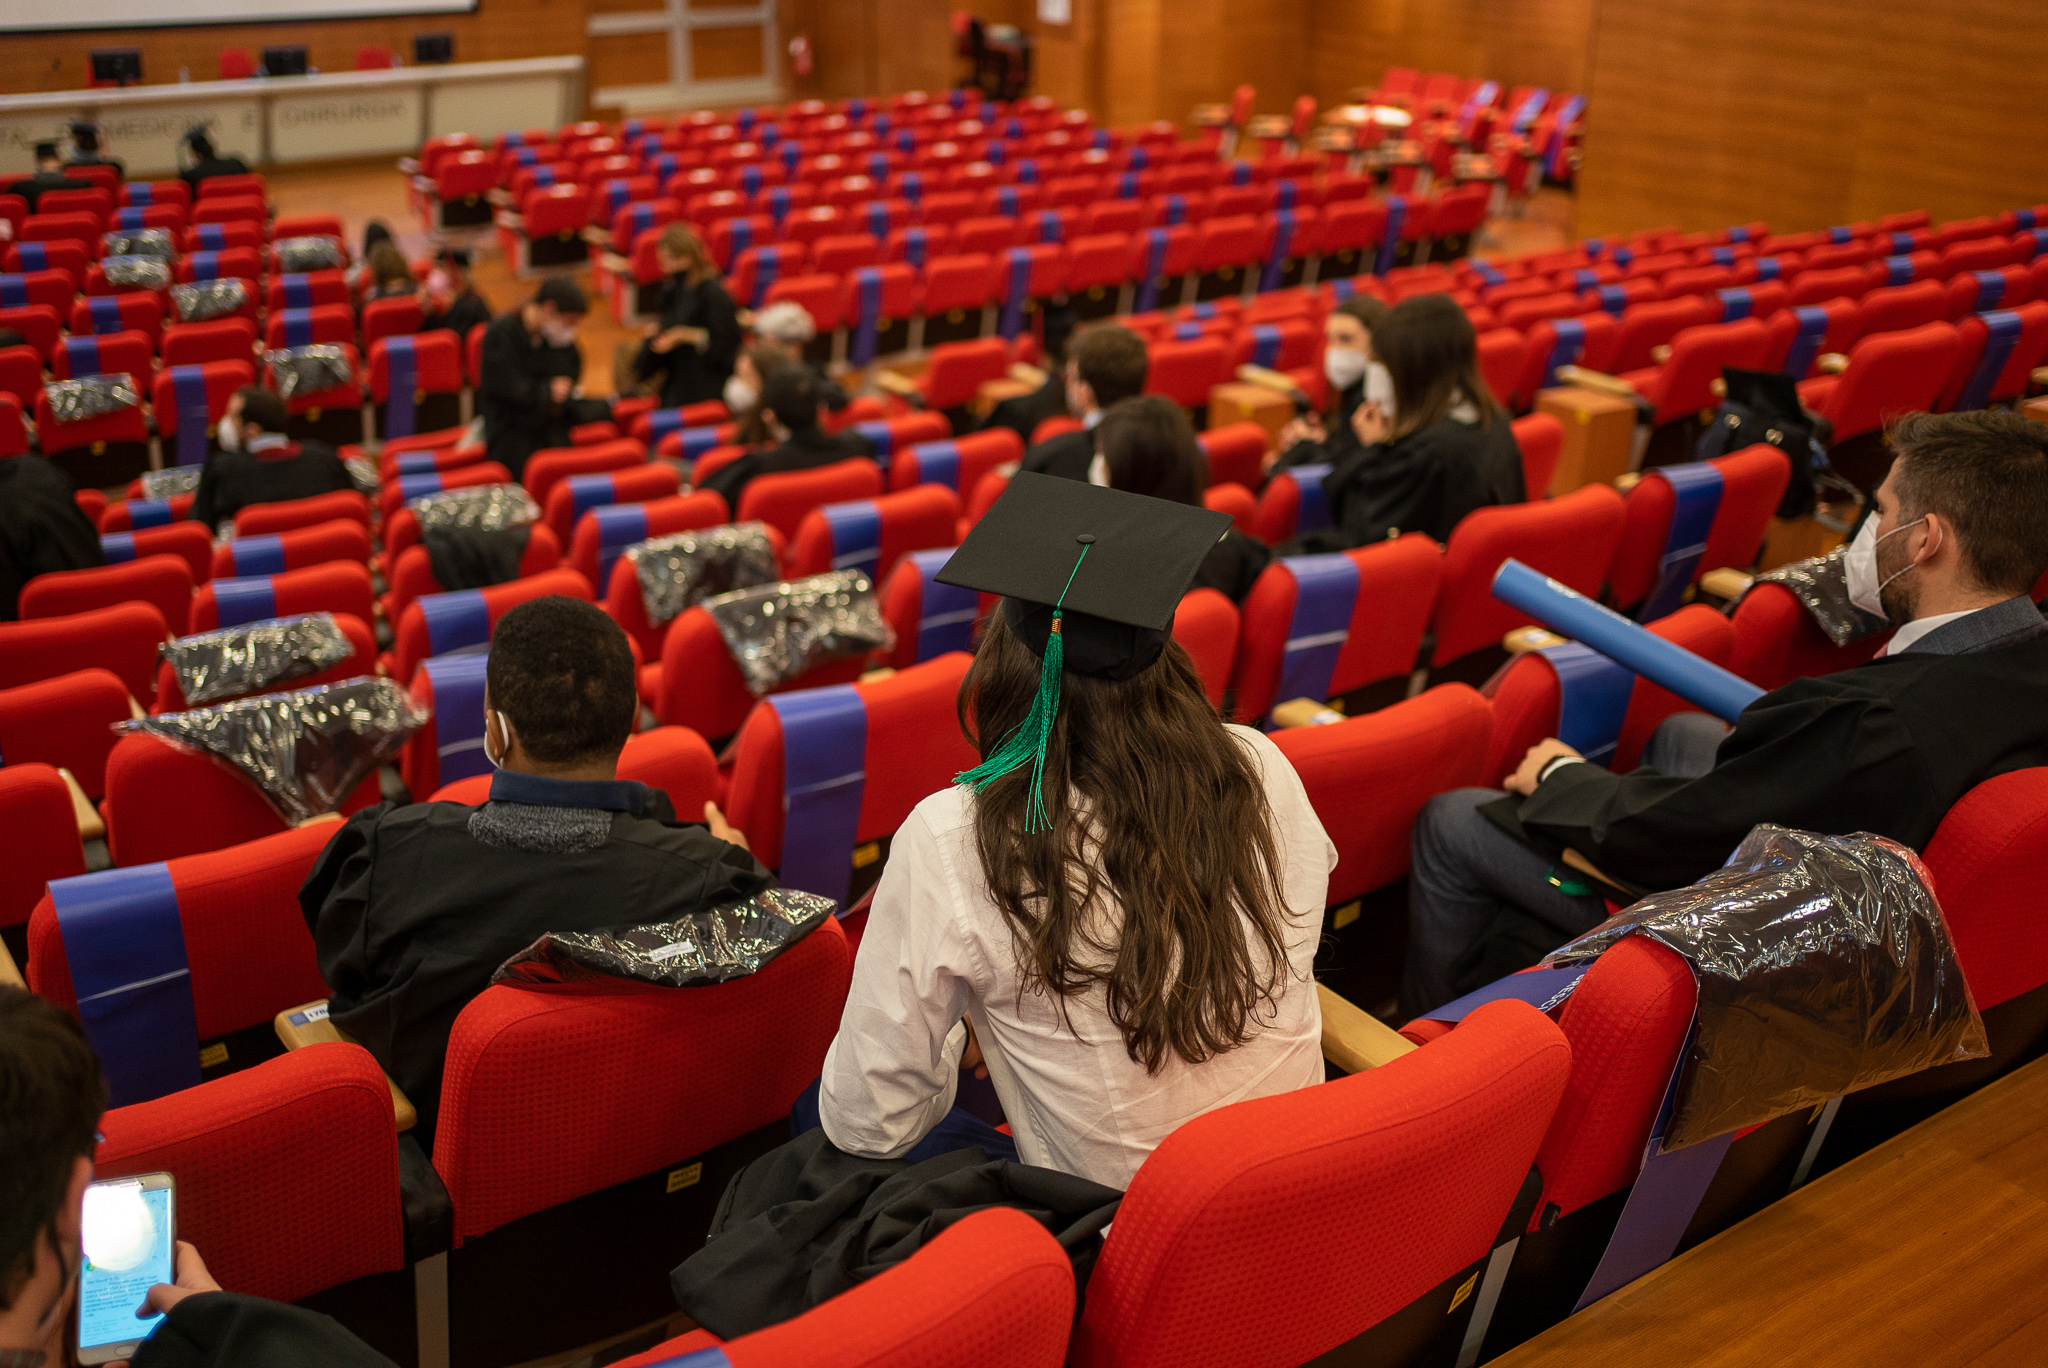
(21, 16)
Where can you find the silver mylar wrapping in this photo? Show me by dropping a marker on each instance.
(204, 299)
(297, 255)
(1822, 585)
(705, 947)
(1823, 966)
(136, 272)
(306, 750)
(162, 484)
(363, 470)
(685, 568)
(231, 661)
(143, 242)
(91, 396)
(481, 508)
(309, 370)
(779, 631)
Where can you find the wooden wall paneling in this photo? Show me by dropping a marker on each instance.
(1067, 59)
(498, 30)
(723, 54)
(1131, 57)
(626, 59)
(914, 47)
(843, 41)
(1534, 42)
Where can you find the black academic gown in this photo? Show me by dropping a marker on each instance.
(211, 167)
(230, 481)
(1025, 412)
(464, 312)
(1233, 565)
(693, 375)
(31, 189)
(803, 451)
(1424, 482)
(1887, 747)
(42, 528)
(230, 1330)
(514, 393)
(1339, 442)
(411, 912)
(1066, 455)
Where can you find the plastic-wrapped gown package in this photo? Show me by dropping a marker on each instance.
(204, 299)
(1822, 586)
(231, 661)
(162, 484)
(91, 396)
(297, 255)
(779, 631)
(705, 947)
(1823, 966)
(362, 470)
(307, 750)
(136, 272)
(144, 242)
(480, 508)
(309, 370)
(685, 568)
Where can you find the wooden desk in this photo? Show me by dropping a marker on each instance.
(1928, 1251)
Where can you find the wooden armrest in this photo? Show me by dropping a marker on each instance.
(1574, 860)
(598, 237)
(1266, 378)
(317, 818)
(1834, 363)
(1026, 374)
(1596, 380)
(878, 673)
(1627, 480)
(1661, 353)
(616, 264)
(135, 711)
(1353, 1039)
(1525, 639)
(898, 384)
(1718, 387)
(1727, 583)
(2040, 375)
(1306, 712)
(299, 1027)
(9, 975)
(91, 826)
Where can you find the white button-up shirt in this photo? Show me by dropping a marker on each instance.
(937, 948)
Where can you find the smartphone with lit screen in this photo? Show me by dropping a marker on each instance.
(129, 1236)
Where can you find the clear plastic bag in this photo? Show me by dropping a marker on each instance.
(362, 470)
(136, 272)
(91, 396)
(307, 750)
(297, 255)
(162, 484)
(685, 568)
(479, 508)
(231, 661)
(142, 242)
(1823, 966)
(204, 299)
(705, 947)
(779, 631)
(309, 370)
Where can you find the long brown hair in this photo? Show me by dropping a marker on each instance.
(1153, 803)
(1432, 355)
(1151, 448)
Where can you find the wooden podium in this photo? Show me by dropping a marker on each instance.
(1599, 435)
(1237, 402)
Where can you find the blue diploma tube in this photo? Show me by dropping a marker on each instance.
(1570, 613)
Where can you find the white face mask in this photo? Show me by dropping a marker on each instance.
(1342, 366)
(1379, 389)
(438, 282)
(740, 396)
(504, 730)
(1098, 471)
(1866, 591)
(230, 433)
(559, 333)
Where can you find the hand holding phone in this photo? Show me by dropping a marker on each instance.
(128, 1234)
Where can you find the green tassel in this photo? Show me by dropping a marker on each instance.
(1026, 745)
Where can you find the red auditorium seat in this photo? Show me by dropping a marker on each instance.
(362, 660)
(1207, 625)
(1777, 640)
(65, 721)
(957, 292)
(782, 500)
(217, 381)
(1645, 327)
(695, 683)
(162, 581)
(1888, 374)
(673, 759)
(412, 572)
(575, 496)
(1681, 386)
(336, 586)
(185, 539)
(270, 518)
(1185, 372)
(1571, 539)
(992, 1289)
(1235, 452)
(435, 362)
(1396, 582)
(424, 631)
(306, 290)
(1752, 485)
(231, 340)
(163, 802)
(39, 324)
(42, 833)
(339, 539)
(320, 325)
(833, 536)
(546, 468)
(122, 639)
(1392, 1185)
(1540, 437)
(1980, 378)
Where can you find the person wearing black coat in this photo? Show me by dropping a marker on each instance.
(698, 335)
(1106, 364)
(1353, 375)
(792, 410)
(207, 163)
(1146, 445)
(258, 463)
(1959, 539)
(530, 368)
(49, 175)
(453, 301)
(42, 528)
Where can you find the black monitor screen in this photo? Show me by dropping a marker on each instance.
(285, 61)
(117, 66)
(433, 47)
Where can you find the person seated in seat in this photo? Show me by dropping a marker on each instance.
(786, 327)
(694, 341)
(1355, 378)
(449, 298)
(1024, 412)
(48, 1129)
(85, 141)
(1448, 449)
(49, 175)
(387, 274)
(531, 369)
(413, 908)
(751, 370)
(1105, 365)
(793, 412)
(1124, 898)
(207, 162)
(1950, 557)
(257, 463)
(1147, 446)
(42, 528)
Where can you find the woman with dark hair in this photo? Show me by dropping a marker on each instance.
(1446, 450)
(694, 342)
(1124, 898)
(751, 370)
(1147, 446)
(1355, 379)
(387, 274)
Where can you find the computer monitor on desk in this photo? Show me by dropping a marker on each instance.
(116, 66)
(429, 48)
(288, 60)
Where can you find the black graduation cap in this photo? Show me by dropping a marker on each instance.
(1090, 578)
(46, 151)
(86, 135)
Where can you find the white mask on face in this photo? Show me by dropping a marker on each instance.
(1866, 591)
(1098, 471)
(1342, 366)
(437, 281)
(740, 396)
(504, 730)
(230, 433)
(559, 333)
(1379, 389)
